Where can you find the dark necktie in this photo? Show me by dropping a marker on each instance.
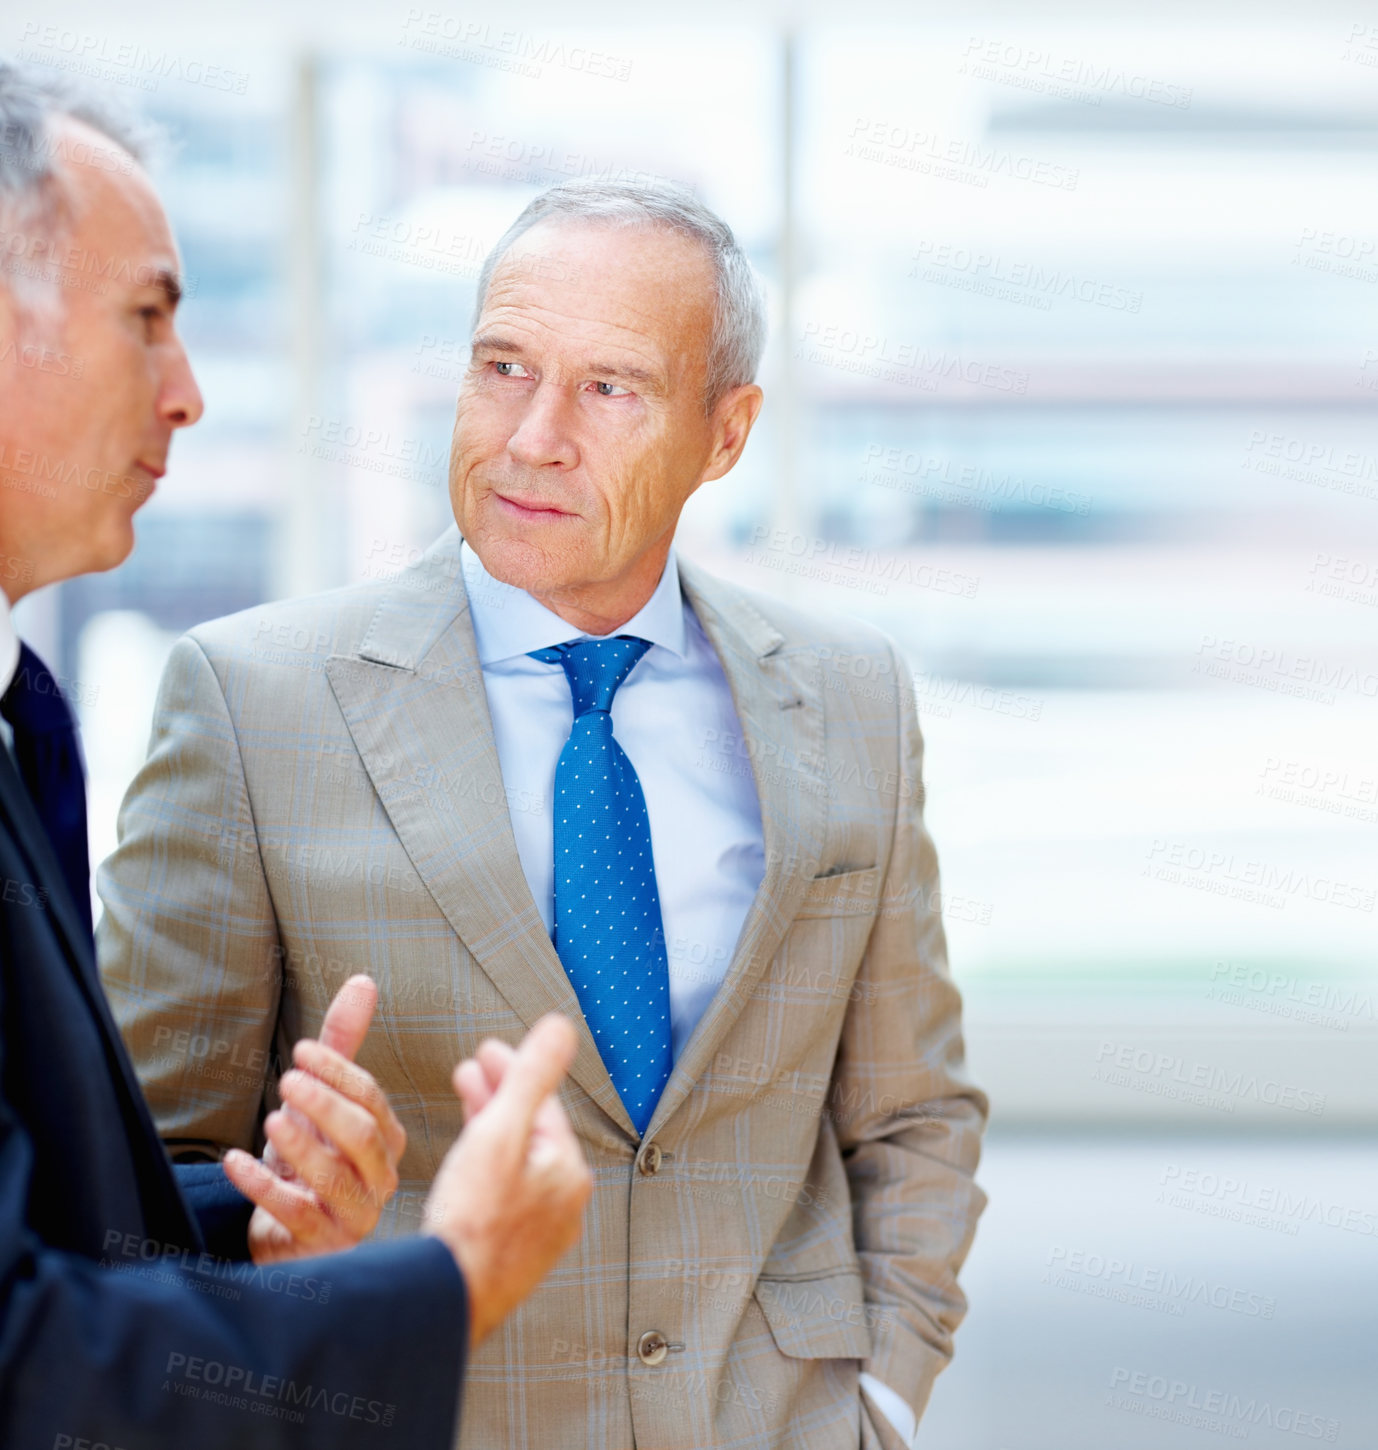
(608, 930)
(48, 755)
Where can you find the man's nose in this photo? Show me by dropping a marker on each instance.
(543, 435)
(179, 399)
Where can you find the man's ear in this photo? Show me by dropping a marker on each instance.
(736, 412)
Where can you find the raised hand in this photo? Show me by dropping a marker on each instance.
(333, 1148)
(510, 1194)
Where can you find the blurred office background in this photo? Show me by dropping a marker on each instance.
(1072, 389)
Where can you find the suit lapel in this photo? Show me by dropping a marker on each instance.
(778, 697)
(414, 702)
(32, 839)
(165, 1212)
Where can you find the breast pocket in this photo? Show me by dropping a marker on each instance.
(818, 1318)
(847, 893)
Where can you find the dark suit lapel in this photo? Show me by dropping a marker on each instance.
(414, 702)
(165, 1212)
(32, 840)
(779, 702)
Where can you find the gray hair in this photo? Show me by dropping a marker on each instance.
(31, 101)
(739, 314)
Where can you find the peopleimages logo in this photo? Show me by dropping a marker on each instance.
(1068, 77)
(952, 158)
(1275, 668)
(1158, 1397)
(930, 476)
(906, 362)
(1282, 994)
(1240, 1200)
(850, 566)
(1316, 464)
(238, 1387)
(1318, 780)
(1146, 1286)
(1268, 883)
(1013, 280)
(481, 43)
(1169, 1075)
(122, 61)
(1355, 581)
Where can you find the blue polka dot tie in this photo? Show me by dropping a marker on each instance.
(608, 931)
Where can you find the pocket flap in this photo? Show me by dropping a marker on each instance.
(822, 1318)
(846, 893)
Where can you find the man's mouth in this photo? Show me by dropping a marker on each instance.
(144, 476)
(531, 509)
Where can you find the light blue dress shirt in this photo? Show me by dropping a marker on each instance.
(668, 716)
(675, 718)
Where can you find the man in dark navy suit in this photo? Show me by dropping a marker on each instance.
(143, 1305)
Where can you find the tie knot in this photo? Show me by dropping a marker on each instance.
(595, 668)
(34, 701)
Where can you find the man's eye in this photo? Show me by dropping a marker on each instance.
(511, 370)
(611, 390)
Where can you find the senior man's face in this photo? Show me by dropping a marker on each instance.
(92, 393)
(580, 430)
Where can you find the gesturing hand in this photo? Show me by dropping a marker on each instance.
(510, 1194)
(333, 1148)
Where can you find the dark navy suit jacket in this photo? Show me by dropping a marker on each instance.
(121, 1319)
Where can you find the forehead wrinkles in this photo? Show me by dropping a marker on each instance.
(644, 287)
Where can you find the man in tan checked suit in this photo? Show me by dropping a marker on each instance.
(363, 781)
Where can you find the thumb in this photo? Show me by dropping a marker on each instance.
(348, 1016)
(534, 1074)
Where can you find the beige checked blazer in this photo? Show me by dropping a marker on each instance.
(322, 796)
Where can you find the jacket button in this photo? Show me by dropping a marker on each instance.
(648, 1159)
(652, 1347)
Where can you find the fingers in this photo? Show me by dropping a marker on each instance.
(343, 1129)
(297, 1210)
(247, 1174)
(472, 1086)
(354, 1083)
(551, 1121)
(345, 1161)
(331, 1159)
(551, 1133)
(509, 1197)
(311, 1163)
(495, 1058)
(476, 1079)
(535, 1071)
(348, 1016)
(270, 1242)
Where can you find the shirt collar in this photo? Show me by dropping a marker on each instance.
(9, 644)
(508, 622)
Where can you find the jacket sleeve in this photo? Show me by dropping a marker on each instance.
(221, 1210)
(908, 1119)
(188, 943)
(364, 1349)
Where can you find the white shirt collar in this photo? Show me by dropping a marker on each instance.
(509, 623)
(9, 644)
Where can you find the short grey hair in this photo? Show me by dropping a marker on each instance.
(739, 315)
(32, 100)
